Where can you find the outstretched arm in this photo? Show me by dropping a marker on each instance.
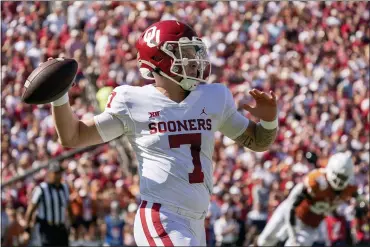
(259, 136)
(106, 126)
(255, 136)
(73, 132)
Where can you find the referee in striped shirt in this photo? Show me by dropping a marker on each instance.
(51, 200)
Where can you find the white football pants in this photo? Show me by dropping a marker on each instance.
(276, 230)
(161, 225)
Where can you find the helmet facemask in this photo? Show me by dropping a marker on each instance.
(190, 62)
(339, 171)
(338, 181)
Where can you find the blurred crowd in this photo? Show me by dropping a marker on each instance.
(314, 55)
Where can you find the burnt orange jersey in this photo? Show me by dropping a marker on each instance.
(323, 198)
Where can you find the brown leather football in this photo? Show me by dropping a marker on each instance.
(49, 81)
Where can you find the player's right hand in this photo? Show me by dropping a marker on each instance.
(50, 81)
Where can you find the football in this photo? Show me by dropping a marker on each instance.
(49, 81)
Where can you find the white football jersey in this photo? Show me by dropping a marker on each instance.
(174, 142)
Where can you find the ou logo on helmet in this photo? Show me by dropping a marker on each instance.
(151, 37)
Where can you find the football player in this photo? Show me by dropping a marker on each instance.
(170, 125)
(299, 216)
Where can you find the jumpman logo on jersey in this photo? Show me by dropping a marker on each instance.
(203, 111)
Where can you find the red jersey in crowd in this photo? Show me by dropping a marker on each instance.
(336, 228)
(362, 228)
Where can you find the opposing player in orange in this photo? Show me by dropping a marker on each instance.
(299, 216)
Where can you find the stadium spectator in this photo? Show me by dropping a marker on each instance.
(15, 234)
(260, 195)
(210, 233)
(77, 211)
(4, 220)
(360, 227)
(113, 229)
(337, 229)
(129, 224)
(226, 228)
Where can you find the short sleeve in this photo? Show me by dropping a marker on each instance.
(36, 195)
(116, 104)
(115, 120)
(233, 123)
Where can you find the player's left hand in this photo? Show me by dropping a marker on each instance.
(266, 105)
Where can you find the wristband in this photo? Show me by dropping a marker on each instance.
(270, 125)
(61, 101)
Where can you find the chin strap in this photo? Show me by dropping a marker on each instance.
(186, 83)
(189, 84)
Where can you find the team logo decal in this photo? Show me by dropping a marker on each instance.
(151, 37)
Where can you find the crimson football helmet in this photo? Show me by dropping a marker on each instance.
(173, 50)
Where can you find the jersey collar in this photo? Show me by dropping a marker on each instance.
(188, 101)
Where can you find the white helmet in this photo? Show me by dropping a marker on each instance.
(339, 170)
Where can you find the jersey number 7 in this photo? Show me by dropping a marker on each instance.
(110, 98)
(195, 141)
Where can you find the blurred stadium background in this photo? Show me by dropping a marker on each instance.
(314, 55)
